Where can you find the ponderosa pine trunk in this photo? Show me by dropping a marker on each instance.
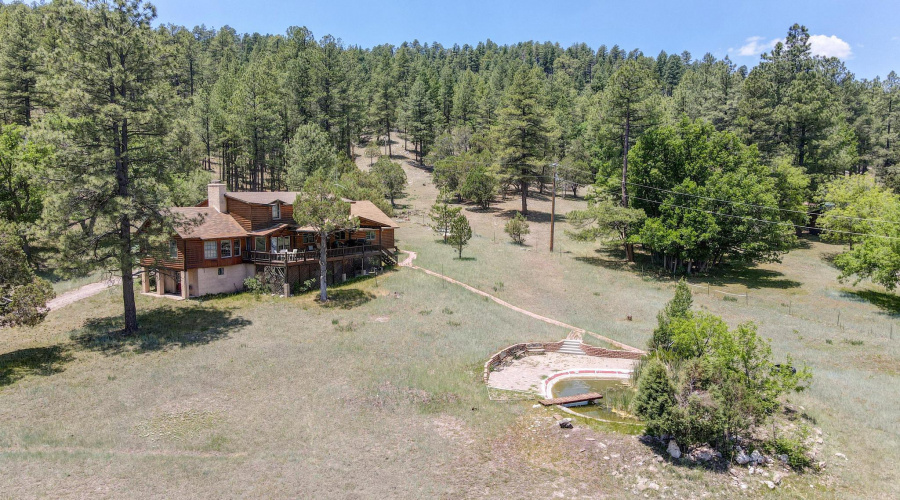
(125, 261)
(323, 266)
(523, 187)
(629, 247)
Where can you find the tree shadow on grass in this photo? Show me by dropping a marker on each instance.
(34, 361)
(533, 216)
(887, 302)
(750, 276)
(160, 329)
(347, 298)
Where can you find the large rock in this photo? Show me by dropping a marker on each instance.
(565, 424)
(673, 449)
(741, 458)
(757, 457)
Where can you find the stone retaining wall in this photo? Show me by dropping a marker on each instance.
(601, 352)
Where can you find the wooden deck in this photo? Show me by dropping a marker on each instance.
(579, 398)
(312, 256)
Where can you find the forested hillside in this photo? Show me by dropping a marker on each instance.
(242, 97)
(109, 119)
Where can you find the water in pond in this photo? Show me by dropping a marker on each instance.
(611, 389)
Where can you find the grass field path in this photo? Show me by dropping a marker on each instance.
(81, 293)
(408, 262)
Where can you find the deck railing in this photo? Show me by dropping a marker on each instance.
(292, 256)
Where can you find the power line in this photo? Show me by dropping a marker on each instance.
(777, 223)
(758, 206)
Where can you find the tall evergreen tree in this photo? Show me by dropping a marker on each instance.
(20, 62)
(626, 108)
(523, 132)
(116, 157)
(420, 116)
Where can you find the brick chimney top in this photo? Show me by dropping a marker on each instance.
(216, 194)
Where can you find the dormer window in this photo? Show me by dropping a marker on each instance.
(276, 211)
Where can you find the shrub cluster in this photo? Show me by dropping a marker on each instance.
(705, 383)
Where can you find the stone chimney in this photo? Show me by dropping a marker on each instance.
(216, 195)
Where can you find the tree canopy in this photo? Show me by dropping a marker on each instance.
(319, 206)
(706, 383)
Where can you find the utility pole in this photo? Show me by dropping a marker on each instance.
(553, 207)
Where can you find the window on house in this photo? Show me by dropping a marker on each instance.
(173, 249)
(226, 249)
(340, 235)
(309, 238)
(221, 271)
(370, 235)
(259, 243)
(276, 211)
(280, 243)
(210, 250)
(237, 248)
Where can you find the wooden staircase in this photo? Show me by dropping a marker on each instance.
(389, 257)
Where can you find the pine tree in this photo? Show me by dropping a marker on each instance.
(442, 215)
(676, 308)
(23, 166)
(460, 233)
(391, 176)
(116, 158)
(465, 102)
(20, 62)
(255, 105)
(384, 99)
(626, 108)
(309, 151)
(420, 112)
(319, 205)
(523, 132)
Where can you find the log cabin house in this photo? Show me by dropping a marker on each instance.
(244, 234)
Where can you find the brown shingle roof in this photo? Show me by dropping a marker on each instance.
(267, 231)
(367, 210)
(212, 224)
(263, 197)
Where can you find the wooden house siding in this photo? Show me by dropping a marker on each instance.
(253, 217)
(196, 258)
(241, 212)
(164, 260)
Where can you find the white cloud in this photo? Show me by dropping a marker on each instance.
(755, 45)
(829, 46)
(820, 45)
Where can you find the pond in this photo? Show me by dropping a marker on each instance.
(613, 390)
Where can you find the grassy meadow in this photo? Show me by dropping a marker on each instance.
(379, 393)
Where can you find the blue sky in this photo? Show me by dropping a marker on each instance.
(865, 33)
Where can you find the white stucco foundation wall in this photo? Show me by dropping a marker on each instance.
(209, 281)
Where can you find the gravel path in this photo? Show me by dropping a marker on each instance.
(81, 293)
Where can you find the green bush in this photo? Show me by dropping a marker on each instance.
(797, 453)
(254, 285)
(705, 383)
(517, 228)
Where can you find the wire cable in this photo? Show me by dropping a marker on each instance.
(778, 223)
(758, 206)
